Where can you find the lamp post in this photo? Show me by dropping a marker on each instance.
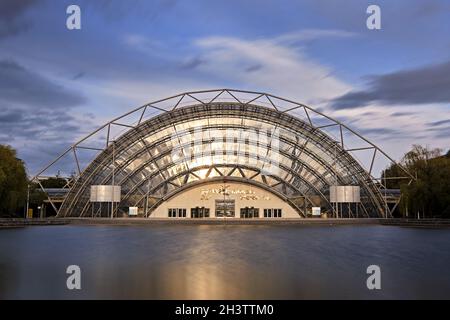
(28, 200)
(113, 186)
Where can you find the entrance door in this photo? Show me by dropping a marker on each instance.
(198, 212)
(225, 208)
(248, 213)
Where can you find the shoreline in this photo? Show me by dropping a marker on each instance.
(422, 223)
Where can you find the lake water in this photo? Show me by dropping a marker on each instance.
(224, 262)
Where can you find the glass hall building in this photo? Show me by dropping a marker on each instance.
(224, 154)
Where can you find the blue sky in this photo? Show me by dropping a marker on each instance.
(56, 85)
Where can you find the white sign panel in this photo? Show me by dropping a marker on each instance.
(105, 193)
(133, 211)
(345, 194)
(315, 211)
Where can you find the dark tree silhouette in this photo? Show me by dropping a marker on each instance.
(13, 182)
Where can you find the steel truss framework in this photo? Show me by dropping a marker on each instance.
(198, 137)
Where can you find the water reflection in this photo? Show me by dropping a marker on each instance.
(223, 262)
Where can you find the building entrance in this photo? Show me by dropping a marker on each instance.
(199, 212)
(247, 212)
(225, 208)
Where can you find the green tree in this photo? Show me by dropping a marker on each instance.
(37, 196)
(429, 195)
(54, 182)
(13, 182)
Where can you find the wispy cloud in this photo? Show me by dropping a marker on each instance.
(35, 113)
(192, 63)
(20, 86)
(306, 35)
(281, 67)
(11, 16)
(427, 84)
(79, 75)
(439, 123)
(114, 10)
(402, 114)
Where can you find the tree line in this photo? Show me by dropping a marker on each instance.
(13, 182)
(14, 185)
(429, 195)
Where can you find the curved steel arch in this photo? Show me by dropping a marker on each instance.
(308, 152)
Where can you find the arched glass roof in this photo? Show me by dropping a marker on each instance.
(216, 140)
